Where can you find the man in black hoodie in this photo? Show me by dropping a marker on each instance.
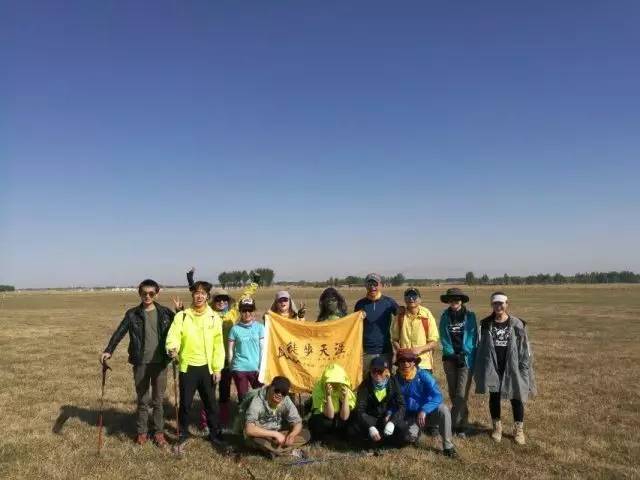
(378, 417)
(147, 325)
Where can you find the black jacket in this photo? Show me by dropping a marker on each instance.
(369, 411)
(133, 322)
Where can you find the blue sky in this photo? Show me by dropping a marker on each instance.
(317, 138)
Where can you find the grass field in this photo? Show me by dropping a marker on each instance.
(584, 423)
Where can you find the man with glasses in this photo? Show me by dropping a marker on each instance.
(147, 325)
(272, 422)
(379, 310)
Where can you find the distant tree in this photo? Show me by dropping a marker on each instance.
(484, 279)
(267, 275)
(470, 278)
(559, 278)
(397, 280)
(244, 277)
(353, 280)
(7, 288)
(506, 279)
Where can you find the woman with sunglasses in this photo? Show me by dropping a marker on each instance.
(504, 365)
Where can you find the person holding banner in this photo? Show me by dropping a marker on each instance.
(195, 337)
(284, 305)
(504, 365)
(423, 400)
(332, 305)
(378, 418)
(272, 423)
(244, 350)
(379, 309)
(332, 403)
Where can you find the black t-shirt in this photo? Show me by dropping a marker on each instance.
(456, 328)
(500, 332)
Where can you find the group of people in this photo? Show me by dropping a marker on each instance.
(217, 340)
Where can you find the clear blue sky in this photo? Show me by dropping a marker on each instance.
(317, 138)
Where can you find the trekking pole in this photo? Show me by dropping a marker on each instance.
(105, 367)
(175, 396)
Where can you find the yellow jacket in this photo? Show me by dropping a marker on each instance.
(184, 330)
(413, 333)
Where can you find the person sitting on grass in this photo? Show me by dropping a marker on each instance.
(423, 400)
(244, 349)
(504, 365)
(332, 305)
(272, 423)
(195, 337)
(332, 400)
(147, 326)
(378, 418)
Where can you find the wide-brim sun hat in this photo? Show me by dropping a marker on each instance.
(454, 294)
(407, 355)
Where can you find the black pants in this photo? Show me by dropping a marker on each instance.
(322, 427)
(360, 433)
(516, 405)
(197, 379)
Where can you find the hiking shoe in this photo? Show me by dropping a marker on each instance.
(141, 439)
(518, 433)
(299, 454)
(496, 434)
(179, 448)
(160, 441)
(450, 452)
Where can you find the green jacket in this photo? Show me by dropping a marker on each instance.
(334, 373)
(183, 330)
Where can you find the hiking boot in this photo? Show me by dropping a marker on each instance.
(160, 441)
(450, 452)
(179, 448)
(141, 439)
(496, 434)
(518, 433)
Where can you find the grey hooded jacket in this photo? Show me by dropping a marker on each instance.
(518, 381)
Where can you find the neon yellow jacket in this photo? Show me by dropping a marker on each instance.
(183, 330)
(334, 373)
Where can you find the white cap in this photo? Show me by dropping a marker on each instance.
(499, 298)
(282, 294)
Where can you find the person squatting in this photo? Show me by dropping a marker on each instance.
(217, 340)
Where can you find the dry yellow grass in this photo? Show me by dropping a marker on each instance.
(585, 422)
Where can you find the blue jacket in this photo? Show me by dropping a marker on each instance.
(420, 394)
(469, 337)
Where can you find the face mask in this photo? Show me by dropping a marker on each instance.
(381, 384)
(332, 305)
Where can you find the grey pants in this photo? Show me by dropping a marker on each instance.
(151, 382)
(266, 445)
(440, 416)
(366, 360)
(459, 383)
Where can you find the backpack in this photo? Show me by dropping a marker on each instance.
(425, 322)
(243, 406)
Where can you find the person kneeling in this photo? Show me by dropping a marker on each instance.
(379, 414)
(423, 400)
(272, 422)
(333, 401)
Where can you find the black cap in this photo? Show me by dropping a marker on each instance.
(282, 384)
(413, 290)
(379, 363)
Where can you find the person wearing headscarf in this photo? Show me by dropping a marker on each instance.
(332, 403)
(332, 305)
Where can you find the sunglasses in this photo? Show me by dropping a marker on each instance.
(284, 393)
(411, 298)
(283, 300)
(497, 303)
(148, 294)
(221, 299)
(377, 371)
